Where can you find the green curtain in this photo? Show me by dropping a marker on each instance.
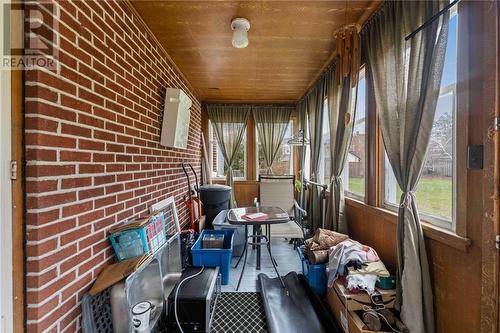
(342, 110)
(315, 110)
(229, 123)
(406, 77)
(302, 125)
(272, 123)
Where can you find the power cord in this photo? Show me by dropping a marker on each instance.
(177, 292)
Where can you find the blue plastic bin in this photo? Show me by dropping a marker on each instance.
(214, 257)
(131, 243)
(315, 274)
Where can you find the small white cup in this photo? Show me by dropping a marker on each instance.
(141, 313)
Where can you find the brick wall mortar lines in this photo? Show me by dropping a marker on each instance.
(106, 105)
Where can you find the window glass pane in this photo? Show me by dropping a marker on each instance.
(307, 157)
(282, 164)
(324, 163)
(392, 190)
(219, 169)
(436, 187)
(353, 175)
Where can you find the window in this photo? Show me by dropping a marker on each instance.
(283, 162)
(354, 173)
(219, 168)
(307, 159)
(324, 159)
(436, 188)
(324, 156)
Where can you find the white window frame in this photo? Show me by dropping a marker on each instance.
(6, 288)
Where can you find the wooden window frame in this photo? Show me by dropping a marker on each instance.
(459, 213)
(291, 170)
(208, 130)
(374, 185)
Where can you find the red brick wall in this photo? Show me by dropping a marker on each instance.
(93, 152)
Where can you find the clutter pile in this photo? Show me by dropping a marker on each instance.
(358, 266)
(358, 279)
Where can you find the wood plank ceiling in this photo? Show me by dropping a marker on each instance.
(290, 43)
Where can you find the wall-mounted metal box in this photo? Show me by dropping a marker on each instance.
(176, 117)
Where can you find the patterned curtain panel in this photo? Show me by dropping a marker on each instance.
(272, 124)
(406, 78)
(229, 123)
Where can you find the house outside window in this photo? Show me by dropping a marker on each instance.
(283, 163)
(354, 173)
(325, 160)
(436, 189)
(219, 168)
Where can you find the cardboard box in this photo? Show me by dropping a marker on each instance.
(354, 302)
(349, 321)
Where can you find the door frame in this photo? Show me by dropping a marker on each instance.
(6, 286)
(12, 286)
(18, 185)
(485, 18)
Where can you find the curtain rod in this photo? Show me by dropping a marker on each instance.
(372, 17)
(331, 66)
(432, 19)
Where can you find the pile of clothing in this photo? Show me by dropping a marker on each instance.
(358, 266)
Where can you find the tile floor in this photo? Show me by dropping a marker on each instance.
(287, 258)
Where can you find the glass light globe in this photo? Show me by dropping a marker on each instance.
(240, 38)
(240, 28)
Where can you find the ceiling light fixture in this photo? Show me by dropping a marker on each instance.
(240, 28)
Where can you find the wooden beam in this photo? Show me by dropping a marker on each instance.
(251, 150)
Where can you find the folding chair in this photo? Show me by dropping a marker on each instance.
(278, 191)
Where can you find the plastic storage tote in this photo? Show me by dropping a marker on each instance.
(315, 274)
(214, 257)
(220, 223)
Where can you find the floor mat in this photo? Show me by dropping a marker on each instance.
(239, 312)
